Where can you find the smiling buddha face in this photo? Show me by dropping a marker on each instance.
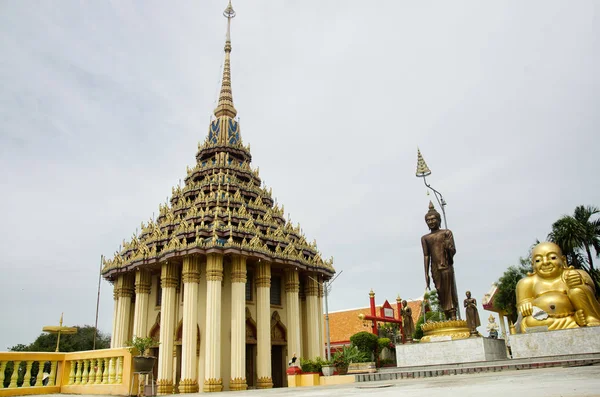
(548, 261)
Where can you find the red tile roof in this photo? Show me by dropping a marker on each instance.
(345, 323)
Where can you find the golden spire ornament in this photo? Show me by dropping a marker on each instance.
(225, 106)
(422, 168)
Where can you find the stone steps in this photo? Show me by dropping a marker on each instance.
(384, 374)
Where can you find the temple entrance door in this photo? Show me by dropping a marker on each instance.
(251, 341)
(178, 365)
(251, 365)
(277, 365)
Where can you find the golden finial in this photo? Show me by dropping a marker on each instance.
(422, 169)
(371, 293)
(398, 299)
(225, 106)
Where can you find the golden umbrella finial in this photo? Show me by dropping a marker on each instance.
(53, 329)
(422, 168)
(225, 106)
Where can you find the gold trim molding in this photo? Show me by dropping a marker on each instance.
(264, 383)
(213, 385)
(455, 329)
(238, 384)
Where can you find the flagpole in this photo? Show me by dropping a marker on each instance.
(98, 301)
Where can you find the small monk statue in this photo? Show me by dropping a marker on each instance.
(555, 295)
(408, 325)
(472, 314)
(438, 253)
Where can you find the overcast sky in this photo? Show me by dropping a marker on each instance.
(102, 105)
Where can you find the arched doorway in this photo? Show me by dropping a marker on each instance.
(278, 350)
(250, 350)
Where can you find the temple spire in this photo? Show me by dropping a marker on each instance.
(225, 106)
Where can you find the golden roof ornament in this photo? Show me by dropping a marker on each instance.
(223, 203)
(225, 106)
(422, 169)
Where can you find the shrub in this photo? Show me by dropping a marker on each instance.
(365, 342)
(382, 343)
(312, 365)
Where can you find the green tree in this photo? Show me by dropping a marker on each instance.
(506, 296)
(578, 232)
(82, 340)
(432, 312)
(365, 342)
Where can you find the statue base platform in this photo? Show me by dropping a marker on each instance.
(450, 352)
(555, 343)
(437, 331)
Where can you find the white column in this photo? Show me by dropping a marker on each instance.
(125, 293)
(263, 326)
(238, 324)
(321, 319)
(213, 382)
(168, 280)
(312, 317)
(293, 313)
(143, 282)
(191, 278)
(113, 335)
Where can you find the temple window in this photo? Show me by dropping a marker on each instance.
(249, 285)
(276, 290)
(158, 292)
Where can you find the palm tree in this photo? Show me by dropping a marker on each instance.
(578, 232)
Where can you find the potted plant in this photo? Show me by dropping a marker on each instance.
(344, 357)
(139, 346)
(327, 368)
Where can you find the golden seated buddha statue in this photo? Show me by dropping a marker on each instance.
(554, 295)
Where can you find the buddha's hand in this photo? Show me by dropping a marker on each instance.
(573, 279)
(526, 309)
(580, 318)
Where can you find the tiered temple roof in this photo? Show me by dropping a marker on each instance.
(222, 208)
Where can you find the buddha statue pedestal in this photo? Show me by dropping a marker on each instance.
(584, 340)
(437, 331)
(457, 351)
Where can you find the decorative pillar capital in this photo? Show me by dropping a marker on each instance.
(143, 281)
(168, 275)
(263, 276)
(214, 267)
(191, 270)
(238, 270)
(311, 288)
(292, 281)
(124, 287)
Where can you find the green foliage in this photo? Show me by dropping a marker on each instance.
(349, 354)
(81, 341)
(313, 365)
(433, 299)
(365, 342)
(576, 236)
(431, 316)
(140, 345)
(382, 343)
(506, 296)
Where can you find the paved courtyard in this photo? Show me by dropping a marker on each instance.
(546, 382)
